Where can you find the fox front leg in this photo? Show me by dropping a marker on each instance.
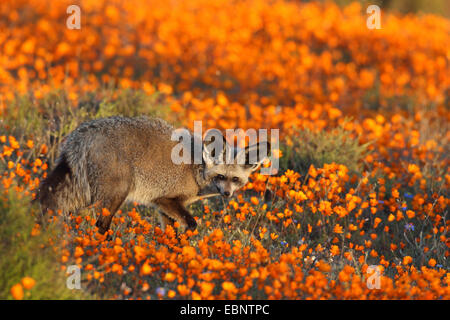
(165, 220)
(174, 209)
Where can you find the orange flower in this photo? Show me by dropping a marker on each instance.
(183, 290)
(410, 214)
(28, 282)
(169, 277)
(335, 250)
(171, 294)
(337, 229)
(78, 252)
(376, 222)
(407, 260)
(254, 200)
(412, 168)
(324, 267)
(44, 149)
(229, 287)
(432, 262)
(146, 269)
(17, 291)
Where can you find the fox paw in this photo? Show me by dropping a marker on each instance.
(191, 223)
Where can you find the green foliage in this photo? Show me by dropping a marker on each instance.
(27, 255)
(132, 103)
(323, 147)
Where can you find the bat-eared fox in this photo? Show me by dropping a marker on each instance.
(106, 162)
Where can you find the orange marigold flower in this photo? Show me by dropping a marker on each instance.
(335, 250)
(145, 286)
(337, 229)
(344, 276)
(277, 153)
(183, 290)
(254, 200)
(146, 269)
(169, 277)
(44, 149)
(171, 294)
(28, 282)
(376, 222)
(407, 260)
(412, 168)
(17, 291)
(78, 252)
(13, 143)
(105, 212)
(229, 287)
(432, 262)
(410, 214)
(324, 267)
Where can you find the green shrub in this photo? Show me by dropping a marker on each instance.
(318, 148)
(27, 255)
(131, 103)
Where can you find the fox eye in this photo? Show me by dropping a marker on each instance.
(235, 179)
(220, 177)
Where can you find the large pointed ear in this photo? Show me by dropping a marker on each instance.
(214, 147)
(253, 156)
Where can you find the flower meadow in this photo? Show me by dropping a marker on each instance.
(364, 169)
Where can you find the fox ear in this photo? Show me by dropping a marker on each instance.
(254, 155)
(214, 146)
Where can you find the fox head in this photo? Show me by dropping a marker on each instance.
(228, 169)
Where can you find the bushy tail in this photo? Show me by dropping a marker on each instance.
(66, 187)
